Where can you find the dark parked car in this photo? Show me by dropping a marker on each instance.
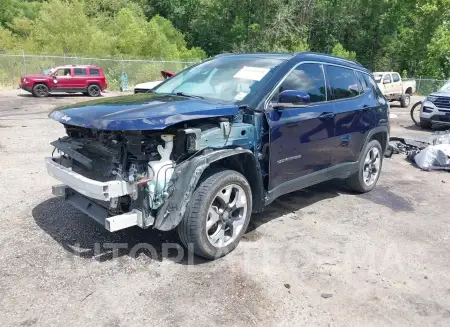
(220, 140)
(89, 80)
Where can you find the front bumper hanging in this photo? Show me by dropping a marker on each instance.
(79, 190)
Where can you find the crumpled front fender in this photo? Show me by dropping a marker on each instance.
(185, 179)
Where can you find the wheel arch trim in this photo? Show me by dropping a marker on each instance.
(186, 177)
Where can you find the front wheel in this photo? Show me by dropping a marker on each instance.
(369, 168)
(218, 215)
(40, 90)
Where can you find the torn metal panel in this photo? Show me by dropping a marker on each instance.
(70, 147)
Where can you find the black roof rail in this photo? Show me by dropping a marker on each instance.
(225, 54)
(330, 56)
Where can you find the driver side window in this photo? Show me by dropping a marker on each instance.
(63, 72)
(387, 79)
(305, 77)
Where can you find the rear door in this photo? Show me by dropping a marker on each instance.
(79, 78)
(301, 138)
(353, 110)
(96, 75)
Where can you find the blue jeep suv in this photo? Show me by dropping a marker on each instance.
(219, 140)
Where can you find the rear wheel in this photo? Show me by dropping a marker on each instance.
(218, 215)
(369, 168)
(40, 90)
(405, 100)
(94, 90)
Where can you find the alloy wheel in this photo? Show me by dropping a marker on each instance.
(372, 165)
(226, 215)
(41, 90)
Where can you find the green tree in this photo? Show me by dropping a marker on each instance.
(339, 51)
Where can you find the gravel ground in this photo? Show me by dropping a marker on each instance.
(317, 257)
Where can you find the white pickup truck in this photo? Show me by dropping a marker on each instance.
(394, 88)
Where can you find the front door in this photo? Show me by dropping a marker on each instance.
(387, 85)
(397, 88)
(301, 139)
(63, 80)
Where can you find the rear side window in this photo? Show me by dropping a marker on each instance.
(343, 82)
(79, 72)
(362, 81)
(94, 71)
(395, 77)
(373, 85)
(308, 78)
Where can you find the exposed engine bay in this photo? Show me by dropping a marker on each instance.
(133, 171)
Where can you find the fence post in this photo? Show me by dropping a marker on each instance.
(24, 62)
(418, 85)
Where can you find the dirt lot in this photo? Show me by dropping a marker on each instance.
(318, 257)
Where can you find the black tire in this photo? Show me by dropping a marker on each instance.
(40, 90)
(405, 100)
(425, 123)
(192, 230)
(413, 110)
(85, 93)
(356, 181)
(94, 90)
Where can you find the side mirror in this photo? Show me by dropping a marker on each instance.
(292, 99)
(385, 81)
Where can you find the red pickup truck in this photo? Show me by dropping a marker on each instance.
(89, 80)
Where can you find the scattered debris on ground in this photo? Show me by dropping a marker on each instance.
(433, 154)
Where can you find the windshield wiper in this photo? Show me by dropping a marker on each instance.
(189, 95)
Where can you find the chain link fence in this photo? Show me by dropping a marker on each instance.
(425, 86)
(13, 66)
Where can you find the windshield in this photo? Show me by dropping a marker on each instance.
(377, 77)
(47, 71)
(446, 87)
(228, 79)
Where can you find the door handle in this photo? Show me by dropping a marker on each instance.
(291, 124)
(326, 115)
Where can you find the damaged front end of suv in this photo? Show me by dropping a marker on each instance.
(191, 154)
(123, 175)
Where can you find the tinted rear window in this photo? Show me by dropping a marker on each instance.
(343, 82)
(364, 85)
(79, 72)
(373, 85)
(94, 71)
